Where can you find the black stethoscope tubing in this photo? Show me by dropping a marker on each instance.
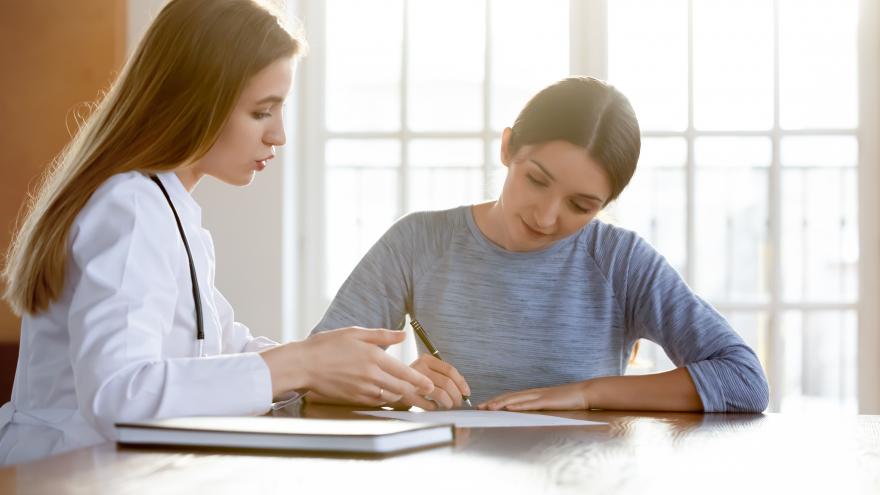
(197, 299)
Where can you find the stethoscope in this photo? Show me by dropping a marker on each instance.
(197, 299)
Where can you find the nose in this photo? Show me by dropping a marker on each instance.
(546, 213)
(275, 135)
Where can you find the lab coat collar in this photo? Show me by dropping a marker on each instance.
(184, 202)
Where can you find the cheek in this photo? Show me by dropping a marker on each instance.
(238, 132)
(225, 142)
(236, 135)
(518, 191)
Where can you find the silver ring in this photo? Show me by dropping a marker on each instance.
(381, 391)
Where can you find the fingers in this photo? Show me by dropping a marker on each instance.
(382, 337)
(562, 397)
(446, 393)
(449, 385)
(530, 405)
(379, 389)
(377, 336)
(394, 380)
(375, 396)
(505, 400)
(456, 385)
(400, 394)
(349, 364)
(419, 401)
(422, 384)
(393, 389)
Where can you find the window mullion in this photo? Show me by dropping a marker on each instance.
(312, 238)
(690, 165)
(588, 44)
(487, 103)
(773, 341)
(403, 172)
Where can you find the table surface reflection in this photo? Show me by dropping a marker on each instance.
(633, 452)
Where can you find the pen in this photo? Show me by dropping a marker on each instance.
(423, 336)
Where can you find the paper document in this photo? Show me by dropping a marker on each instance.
(469, 418)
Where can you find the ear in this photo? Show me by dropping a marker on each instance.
(505, 146)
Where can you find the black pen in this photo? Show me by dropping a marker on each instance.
(423, 336)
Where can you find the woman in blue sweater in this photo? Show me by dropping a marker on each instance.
(533, 302)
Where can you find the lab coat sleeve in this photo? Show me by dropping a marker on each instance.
(237, 336)
(124, 247)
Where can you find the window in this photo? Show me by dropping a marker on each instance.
(748, 176)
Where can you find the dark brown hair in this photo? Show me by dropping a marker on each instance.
(586, 112)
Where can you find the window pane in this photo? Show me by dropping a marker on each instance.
(731, 218)
(647, 59)
(445, 60)
(529, 51)
(733, 64)
(363, 78)
(817, 63)
(653, 204)
(497, 173)
(361, 201)
(445, 173)
(820, 361)
(819, 218)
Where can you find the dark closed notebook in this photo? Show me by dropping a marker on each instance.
(329, 435)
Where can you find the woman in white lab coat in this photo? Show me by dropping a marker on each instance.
(113, 274)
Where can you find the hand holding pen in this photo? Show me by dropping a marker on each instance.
(450, 388)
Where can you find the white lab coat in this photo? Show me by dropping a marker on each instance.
(120, 342)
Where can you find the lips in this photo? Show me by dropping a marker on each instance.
(261, 164)
(531, 230)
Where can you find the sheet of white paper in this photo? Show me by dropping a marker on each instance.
(469, 418)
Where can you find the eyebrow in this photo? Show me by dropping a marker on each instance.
(270, 99)
(587, 196)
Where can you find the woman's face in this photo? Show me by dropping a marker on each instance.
(552, 189)
(247, 141)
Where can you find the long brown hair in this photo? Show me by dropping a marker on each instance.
(165, 110)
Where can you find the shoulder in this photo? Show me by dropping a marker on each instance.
(602, 238)
(129, 190)
(614, 247)
(429, 225)
(123, 204)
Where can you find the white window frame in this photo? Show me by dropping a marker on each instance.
(588, 49)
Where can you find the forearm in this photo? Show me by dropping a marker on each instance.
(172, 387)
(284, 363)
(669, 391)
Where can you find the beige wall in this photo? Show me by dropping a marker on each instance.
(869, 208)
(55, 55)
(246, 223)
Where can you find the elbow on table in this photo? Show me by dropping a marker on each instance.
(755, 391)
(758, 401)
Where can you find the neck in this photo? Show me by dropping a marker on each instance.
(488, 217)
(189, 177)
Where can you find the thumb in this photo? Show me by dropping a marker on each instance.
(380, 336)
